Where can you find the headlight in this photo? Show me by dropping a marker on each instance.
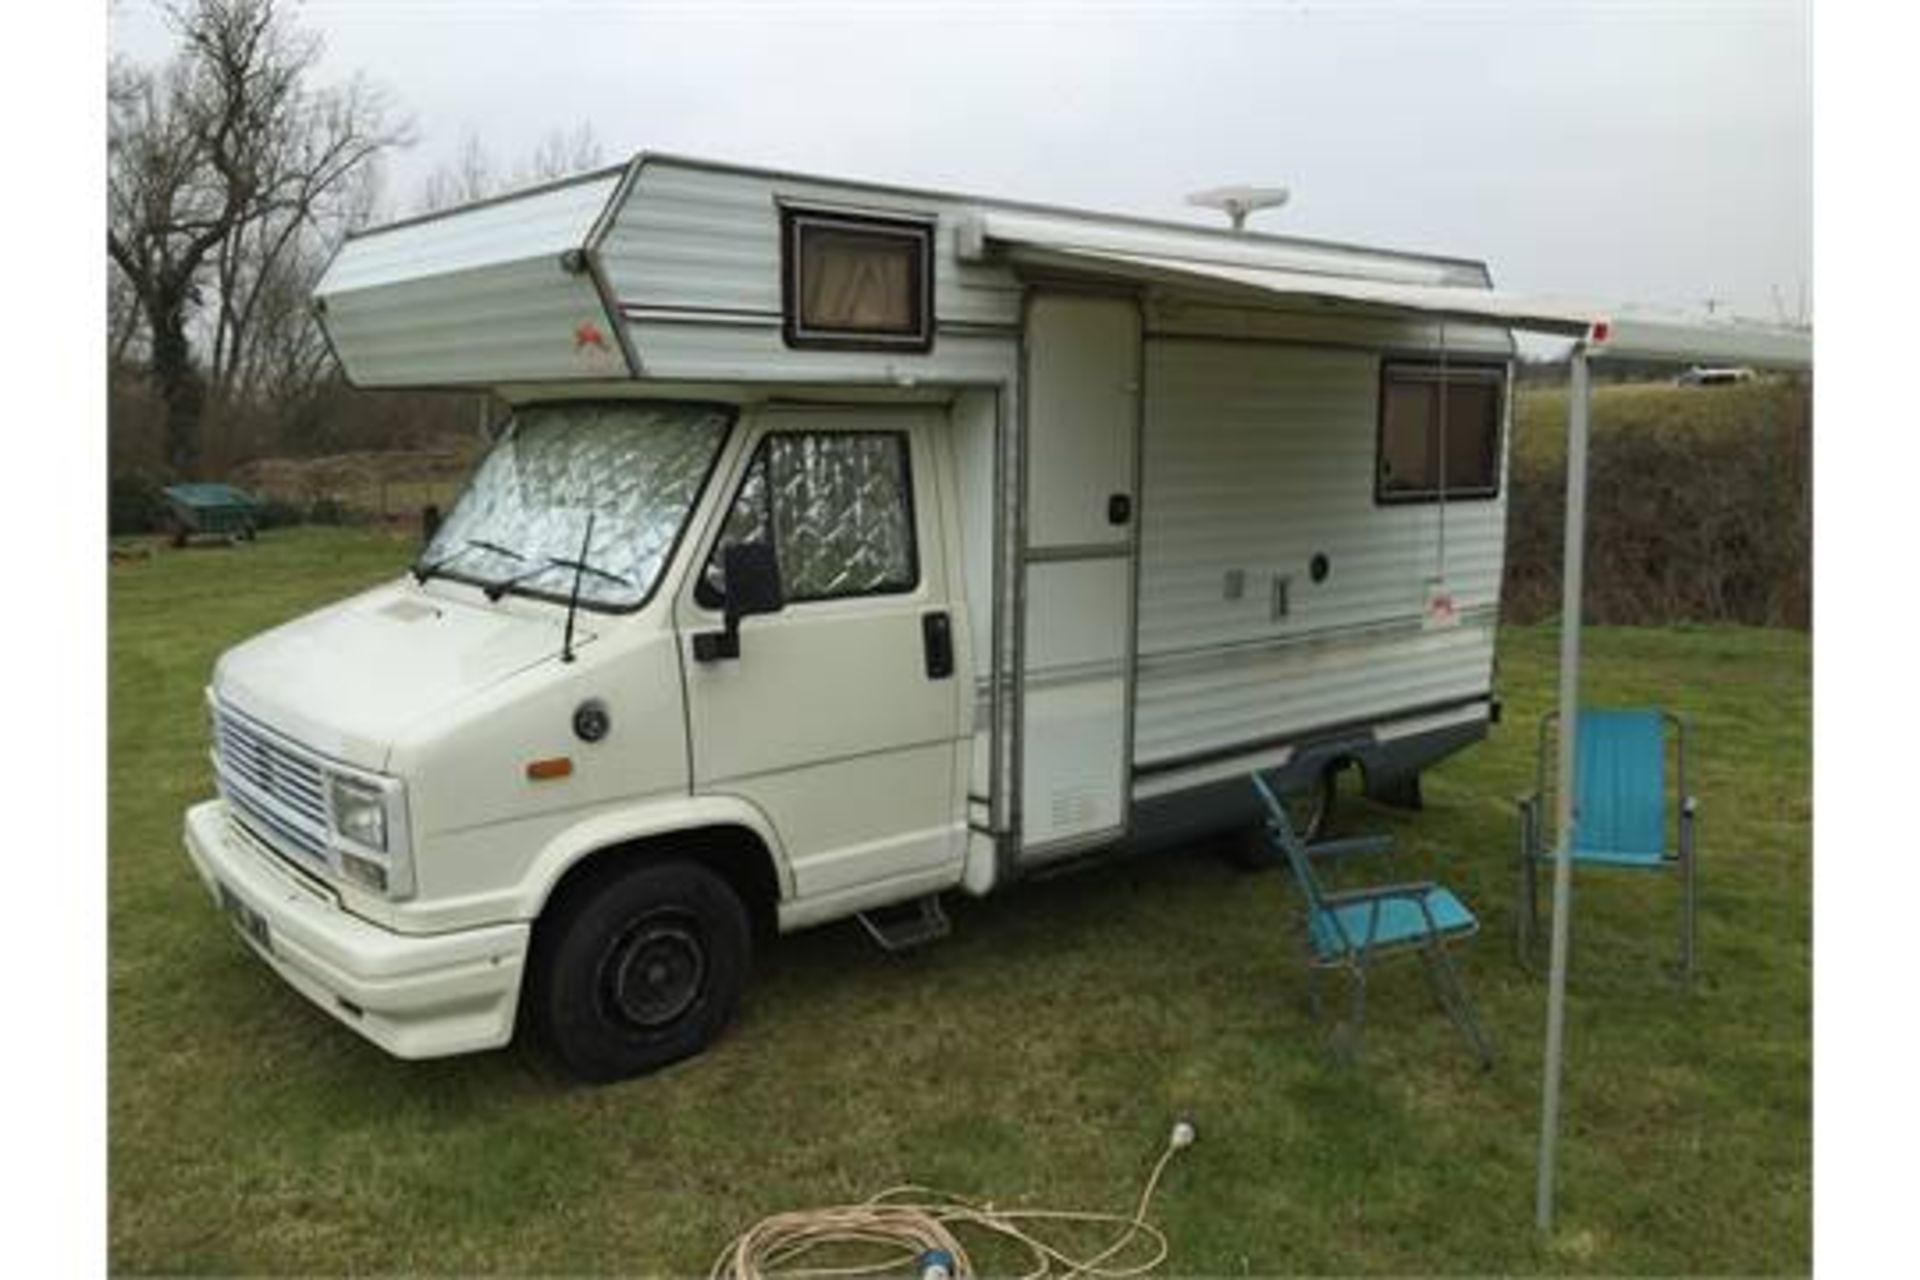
(369, 833)
(359, 812)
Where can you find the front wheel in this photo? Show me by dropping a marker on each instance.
(638, 970)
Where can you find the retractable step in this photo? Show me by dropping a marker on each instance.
(906, 925)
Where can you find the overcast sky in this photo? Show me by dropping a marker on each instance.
(1624, 151)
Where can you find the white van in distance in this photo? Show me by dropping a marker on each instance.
(845, 547)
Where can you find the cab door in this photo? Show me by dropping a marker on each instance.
(841, 716)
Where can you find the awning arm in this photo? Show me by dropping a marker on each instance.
(1566, 811)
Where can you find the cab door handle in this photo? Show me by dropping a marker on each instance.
(936, 637)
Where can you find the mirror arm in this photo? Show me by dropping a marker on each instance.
(713, 646)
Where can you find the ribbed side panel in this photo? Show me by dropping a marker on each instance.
(1258, 457)
(1231, 699)
(745, 353)
(709, 240)
(511, 321)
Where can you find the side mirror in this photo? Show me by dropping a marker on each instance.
(753, 581)
(753, 587)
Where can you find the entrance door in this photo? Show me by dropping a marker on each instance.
(1083, 388)
(841, 716)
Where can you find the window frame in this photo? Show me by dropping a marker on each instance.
(1491, 372)
(706, 598)
(796, 221)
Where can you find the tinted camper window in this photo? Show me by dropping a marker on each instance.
(856, 282)
(1422, 450)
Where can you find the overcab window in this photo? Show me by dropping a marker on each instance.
(1439, 431)
(857, 282)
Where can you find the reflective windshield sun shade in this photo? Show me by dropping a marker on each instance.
(636, 468)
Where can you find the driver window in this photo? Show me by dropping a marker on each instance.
(837, 507)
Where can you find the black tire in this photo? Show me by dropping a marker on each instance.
(1310, 811)
(638, 969)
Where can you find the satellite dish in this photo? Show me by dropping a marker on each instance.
(1239, 201)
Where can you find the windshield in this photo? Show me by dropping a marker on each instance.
(635, 469)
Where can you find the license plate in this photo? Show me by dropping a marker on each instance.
(246, 919)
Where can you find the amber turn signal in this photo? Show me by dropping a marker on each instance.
(551, 767)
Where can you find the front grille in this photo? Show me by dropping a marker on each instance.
(277, 787)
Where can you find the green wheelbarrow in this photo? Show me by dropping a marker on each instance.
(210, 510)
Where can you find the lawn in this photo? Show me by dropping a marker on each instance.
(1037, 1056)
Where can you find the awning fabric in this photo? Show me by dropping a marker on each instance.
(1608, 332)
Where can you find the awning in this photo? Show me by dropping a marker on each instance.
(1230, 270)
(1265, 269)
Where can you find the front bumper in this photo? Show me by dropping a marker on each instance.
(415, 997)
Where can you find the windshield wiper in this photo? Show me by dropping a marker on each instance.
(424, 571)
(484, 545)
(495, 590)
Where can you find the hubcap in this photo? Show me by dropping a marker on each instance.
(653, 972)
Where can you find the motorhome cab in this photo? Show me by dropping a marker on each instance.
(845, 547)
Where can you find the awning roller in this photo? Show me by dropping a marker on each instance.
(1608, 332)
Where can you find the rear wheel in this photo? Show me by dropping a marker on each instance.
(639, 970)
(1310, 813)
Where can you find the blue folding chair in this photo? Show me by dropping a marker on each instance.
(1620, 819)
(1349, 931)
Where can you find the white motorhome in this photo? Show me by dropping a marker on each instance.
(846, 546)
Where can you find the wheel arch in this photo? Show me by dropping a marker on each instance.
(728, 836)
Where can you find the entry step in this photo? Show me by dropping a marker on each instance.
(906, 925)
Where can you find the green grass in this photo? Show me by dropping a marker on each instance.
(1037, 1057)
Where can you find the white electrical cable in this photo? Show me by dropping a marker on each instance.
(916, 1228)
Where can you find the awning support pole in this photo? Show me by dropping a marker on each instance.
(1565, 815)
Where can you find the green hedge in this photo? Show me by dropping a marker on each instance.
(1699, 505)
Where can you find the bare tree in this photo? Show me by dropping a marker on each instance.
(473, 174)
(560, 154)
(314, 188)
(123, 319)
(468, 178)
(223, 166)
